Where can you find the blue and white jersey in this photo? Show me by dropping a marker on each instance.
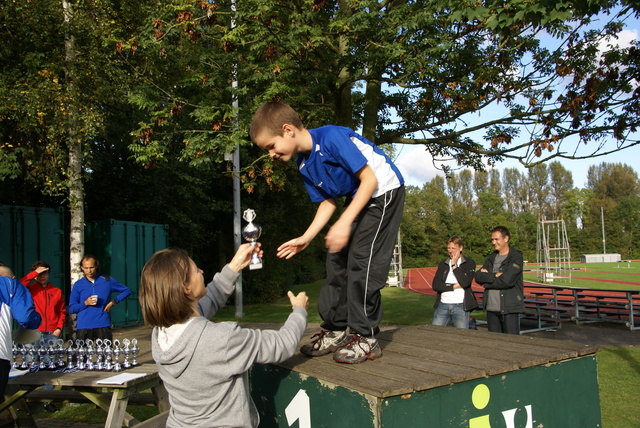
(15, 303)
(338, 153)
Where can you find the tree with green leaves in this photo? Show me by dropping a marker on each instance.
(560, 183)
(614, 191)
(408, 72)
(538, 184)
(425, 224)
(58, 79)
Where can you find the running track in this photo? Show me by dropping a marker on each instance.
(420, 280)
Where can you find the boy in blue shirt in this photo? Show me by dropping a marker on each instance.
(334, 162)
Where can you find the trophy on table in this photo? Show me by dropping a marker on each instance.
(251, 233)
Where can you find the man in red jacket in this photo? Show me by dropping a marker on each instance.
(48, 299)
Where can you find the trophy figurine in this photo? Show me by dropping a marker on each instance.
(251, 233)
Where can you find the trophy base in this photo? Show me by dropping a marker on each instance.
(254, 266)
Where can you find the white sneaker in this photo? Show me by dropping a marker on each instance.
(358, 349)
(324, 342)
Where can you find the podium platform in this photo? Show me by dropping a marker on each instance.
(436, 377)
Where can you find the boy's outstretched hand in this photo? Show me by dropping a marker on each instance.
(300, 300)
(242, 257)
(292, 247)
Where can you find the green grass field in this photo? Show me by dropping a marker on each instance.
(618, 368)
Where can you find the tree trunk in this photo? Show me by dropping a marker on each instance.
(74, 174)
(371, 107)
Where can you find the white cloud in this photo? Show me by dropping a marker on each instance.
(416, 165)
(624, 39)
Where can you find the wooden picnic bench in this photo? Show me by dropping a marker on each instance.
(112, 398)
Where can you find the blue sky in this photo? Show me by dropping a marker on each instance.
(417, 166)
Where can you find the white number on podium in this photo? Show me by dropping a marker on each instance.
(299, 410)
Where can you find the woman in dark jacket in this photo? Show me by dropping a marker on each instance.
(455, 300)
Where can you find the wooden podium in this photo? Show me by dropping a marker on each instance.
(436, 377)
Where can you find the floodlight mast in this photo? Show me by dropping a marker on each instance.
(237, 211)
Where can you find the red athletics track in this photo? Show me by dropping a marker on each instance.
(419, 281)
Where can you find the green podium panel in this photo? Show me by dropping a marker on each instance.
(456, 378)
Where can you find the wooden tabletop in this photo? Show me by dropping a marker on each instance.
(85, 378)
(417, 358)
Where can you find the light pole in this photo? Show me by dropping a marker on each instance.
(237, 215)
(604, 242)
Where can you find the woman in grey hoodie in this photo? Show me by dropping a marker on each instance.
(203, 364)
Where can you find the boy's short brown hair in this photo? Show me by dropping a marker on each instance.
(270, 118)
(40, 263)
(162, 284)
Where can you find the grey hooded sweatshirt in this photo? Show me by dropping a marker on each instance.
(204, 365)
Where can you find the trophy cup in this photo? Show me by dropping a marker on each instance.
(251, 233)
(70, 353)
(108, 355)
(126, 351)
(135, 349)
(99, 355)
(117, 351)
(24, 365)
(91, 352)
(81, 352)
(52, 354)
(15, 351)
(42, 354)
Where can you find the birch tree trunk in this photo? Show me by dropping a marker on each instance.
(76, 188)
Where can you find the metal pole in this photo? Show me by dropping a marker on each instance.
(237, 237)
(604, 242)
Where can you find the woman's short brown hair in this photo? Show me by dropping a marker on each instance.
(162, 288)
(456, 240)
(270, 118)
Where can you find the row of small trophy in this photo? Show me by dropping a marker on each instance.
(101, 355)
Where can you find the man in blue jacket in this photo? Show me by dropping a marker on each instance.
(15, 303)
(501, 277)
(91, 299)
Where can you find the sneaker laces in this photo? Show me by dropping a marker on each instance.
(316, 339)
(357, 340)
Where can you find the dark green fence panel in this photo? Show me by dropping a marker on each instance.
(123, 247)
(28, 234)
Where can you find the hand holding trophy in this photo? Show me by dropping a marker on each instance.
(251, 233)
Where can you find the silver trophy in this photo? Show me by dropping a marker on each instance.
(70, 353)
(117, 351)
(251, 233)
(108, 355)
(126, 351)
(99, 355)
(15, 351)
(81, 353)
(135, 350)
(60, 353)
(24, 351)
(91, 352)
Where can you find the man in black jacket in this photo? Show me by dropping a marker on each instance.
(455, 300)
(501, 277)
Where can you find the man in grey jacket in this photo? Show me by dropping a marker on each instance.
(501, 277)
